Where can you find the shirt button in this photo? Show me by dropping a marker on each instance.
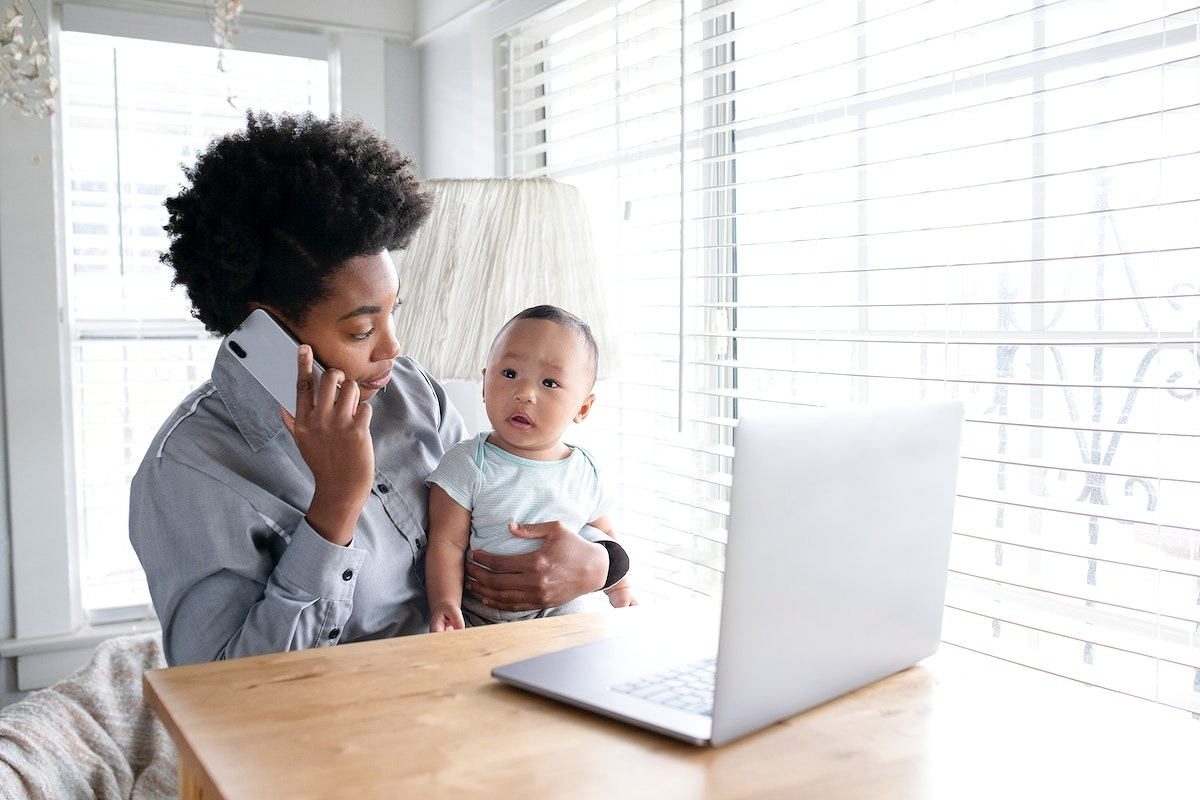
(383, 488)
(336, 632)
(348, 574)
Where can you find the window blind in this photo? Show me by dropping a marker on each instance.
(134, 111)
(807, 204)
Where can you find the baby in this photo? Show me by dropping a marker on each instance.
(539, 379)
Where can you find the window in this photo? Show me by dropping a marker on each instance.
(133, 111)
(816, 203)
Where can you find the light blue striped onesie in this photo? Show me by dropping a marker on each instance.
(498, 487)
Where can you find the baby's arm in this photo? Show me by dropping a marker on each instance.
(449, 537)
(620, 594)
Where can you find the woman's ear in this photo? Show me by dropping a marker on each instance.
(254, 305)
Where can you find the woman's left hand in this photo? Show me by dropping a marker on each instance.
(566, 566)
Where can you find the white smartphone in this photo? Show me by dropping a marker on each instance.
(268, 352)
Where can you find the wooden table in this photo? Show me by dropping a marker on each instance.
(420, 717)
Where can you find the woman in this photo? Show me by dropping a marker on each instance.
(259, 532)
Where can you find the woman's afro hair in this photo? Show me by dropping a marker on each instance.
(269, 213)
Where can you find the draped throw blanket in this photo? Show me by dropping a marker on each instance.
(90, 735)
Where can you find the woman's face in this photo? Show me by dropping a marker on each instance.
(351, 329)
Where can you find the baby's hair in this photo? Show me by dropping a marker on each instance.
(567, 319)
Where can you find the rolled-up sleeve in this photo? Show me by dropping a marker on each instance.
(235, 582)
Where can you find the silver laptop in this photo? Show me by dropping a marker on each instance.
(835, 577)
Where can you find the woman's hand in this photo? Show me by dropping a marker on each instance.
(334, 437)
(563, 568)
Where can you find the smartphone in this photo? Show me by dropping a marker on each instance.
(268, 351)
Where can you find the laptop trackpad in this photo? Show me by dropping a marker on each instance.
(592, 675)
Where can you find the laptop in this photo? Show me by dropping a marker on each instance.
(835, 577)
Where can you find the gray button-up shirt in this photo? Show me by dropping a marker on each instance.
(216, 516)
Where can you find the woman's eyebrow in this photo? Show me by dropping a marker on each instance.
(365, 310)
(360, 311)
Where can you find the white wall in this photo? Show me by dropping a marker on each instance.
(34, 399)
(457, 119)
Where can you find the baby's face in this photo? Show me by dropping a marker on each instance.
(538, 380)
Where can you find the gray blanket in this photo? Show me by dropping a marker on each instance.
(90, 735)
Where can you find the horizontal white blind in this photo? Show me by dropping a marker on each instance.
(828, 202)
(133, 112)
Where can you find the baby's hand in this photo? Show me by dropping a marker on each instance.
(621, 597)
(446, 617)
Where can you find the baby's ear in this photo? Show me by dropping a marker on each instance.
(586, 408)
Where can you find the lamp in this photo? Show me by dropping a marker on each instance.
(490, 248)
(27, 78)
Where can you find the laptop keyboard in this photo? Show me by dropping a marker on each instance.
(688, 687)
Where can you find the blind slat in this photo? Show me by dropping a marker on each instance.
(1056, 618)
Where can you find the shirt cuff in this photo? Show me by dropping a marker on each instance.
(319, 568)
(618, 562)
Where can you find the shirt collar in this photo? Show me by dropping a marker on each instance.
(252, 407)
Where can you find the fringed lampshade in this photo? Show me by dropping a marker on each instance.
(490, 248)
